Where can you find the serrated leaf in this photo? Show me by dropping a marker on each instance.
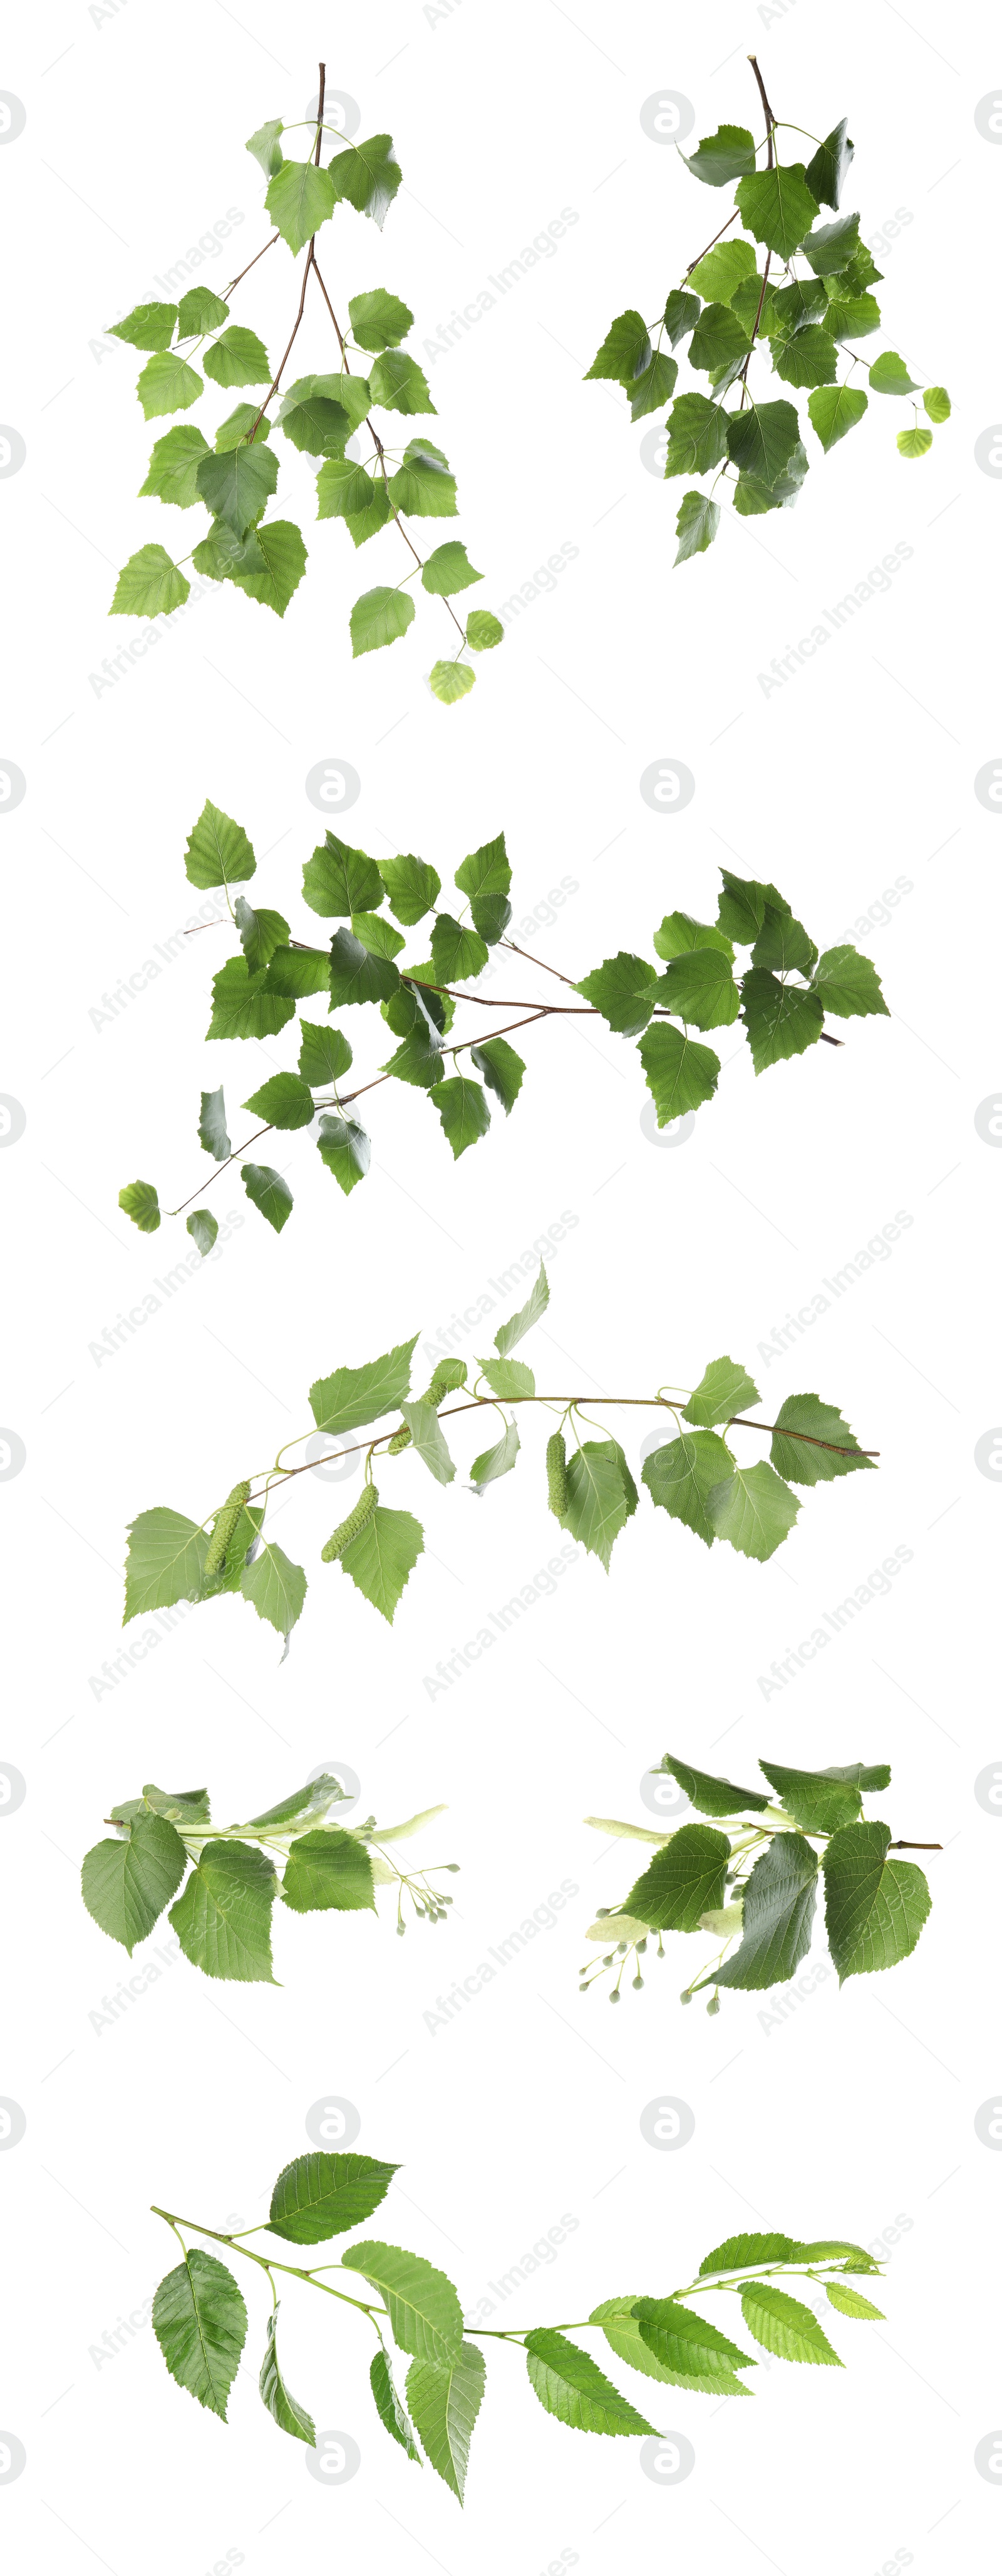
(212, 1126)
(200, 2323)
(777, 207)
(168, 384)
(246, 1005)
(826, 173)
(502, 1070)
(126, 1884)
(218, 852)
(283, 1101)
(313, 415)
(351, 1397)
(697, 435)
(379, 617)
(428, 1438)
(783, 944)
(572, 2387)
(164, 1563)
(724, 1389)
(850, 317)
(300, 198)
(784, 2326)
(809, 358)
(223, 1916)
(139, 1201)
(203, 1229)
(727, 154)
(718, 339)
(382, 1558)
(914, 442)
(367, 176)
(237, 485)
(680, 1073)
(514, 1331)
(357, 974)
(655, 386)
(282, 2406)
(411, 885)
(874, 1907)
(849, 2303)
(625, 352)
(343, 489)
(445, 2403)
(798, 1459)
(449, 570)
(450, 681)
(692, 2352)
(740, 2253)
(779, 1901)
(425, 2315)
(716, 275)
(320, 2195)
(262, 933)
(275, 1588)
(742, 906)
(781, 1019)
(624, 989)
(268, 1190)
(620, 2325)
(700, 987)
(754, 1511)
(682, 1475)
(684, 1880)
(889, 375)
(816, 1801)
(339, 881)
(681, 311)
(238, 357)
(696, 525)
(498, 1461)
(601, 1497)
(508, 1378)
(831, 247)
(463, 1110)
(712, 1796)
(937, 402)
(148, 326)
(422, 484)
(265, 146)
(277, 568)
(172, 467)
(379, 320)
(199, 311)
(149, 585)
(760, 442)
(397, 383)
(232, 431)
(390, 2410)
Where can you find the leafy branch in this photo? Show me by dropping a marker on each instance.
(200, 2321)
(222, 1917)
(782, 997)
(805, 314)
(591, 1491)
(235, 477)
(753, 1878)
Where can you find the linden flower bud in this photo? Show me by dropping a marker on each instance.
(714, 2004)
(686, 1995)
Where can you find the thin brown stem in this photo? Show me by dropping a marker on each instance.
(483, 1403)
(725, 228)
(769, 117)
(252, 263)
(320, 115)
(539, 961)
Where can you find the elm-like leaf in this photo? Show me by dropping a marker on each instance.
(572, 2387)
(200, 2323)
(784, 2326)
(425, 2315)
(284, 2409)
(445, 2402)
(392, 2413)
(320, 2195)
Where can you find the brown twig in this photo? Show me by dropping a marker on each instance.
(486, 1403)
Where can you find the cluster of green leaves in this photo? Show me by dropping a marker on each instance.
(752, 1877)
(693, 1476)
(782, 998)
(222, 1917)
(803, 308)
(200, 2321)
(234, 472)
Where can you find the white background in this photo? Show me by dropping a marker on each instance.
(855, 2115)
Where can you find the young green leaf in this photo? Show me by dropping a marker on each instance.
(713, 1797)
(720, 270)
(127, 1882)
(313, 415)
(655, 386)
(351, 1397)
(914, 442)
(784, 2326)
(237, 485)
(617, 2317)
(397, 383)
(889, 375)
(680, 1073)
(367, 176)
(344, 1150)
(779, 1902)
(338, 881)
(601, 1496)
(754, 1511)
(203, 1229)
(874, 1907)
(382, 1558)
(699, 986)
(728, 154)
(832, 247)
(284, 1101)
(149, 585)
(816, 1801)
(724, 1389)
(450, 681)
(781, 1019)
(693, 2353)
(148, 326)
(246, 1005)
(164, 1564)
(173, 464)
(826, 174)
(272, 565)
(681, 311)
(761, 442)
(392, 2413)
(718, 339)
(937, 402)
(682, 1475)
(412, 887)
(849, 2303)
(445, 2402)
(625, 353)
(572, 2387)
(218, 852)
(139, 1201)
(343, 489)
(223, 1917)
(799, 1459)
(238, 357)
(200, 2323)
(320, 2195)
(462, 1108)
(263, 934)
(697, 435)
(429, 1440)
(449, 570)
(379, 617)
(275, 1588)
(212, 1126)
(810, 358)
(848, 984)
(266, 148)
(425, 2315)
(508, 1378)
(624, 989)
(379, 320)
(268, 1190)
(684, 1880)
(282, 2406)
(199, 311)
(422, 484)
(509, 1335)
(502, 1070)
(696, 526)
(300, 198)
(498, 1461)
(777, 207)
(168, 384)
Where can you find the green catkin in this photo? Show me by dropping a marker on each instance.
(401, 1440)
(449, 1375)
(346, 1531)
(226, 1521)
(556, 1474)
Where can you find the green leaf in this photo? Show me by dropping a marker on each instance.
(277, 566)
(139, 1201)
(760, 442)
(388, 2405)
(313, 415)
(126, 1883)
(428, 1439)
(265, 146)
(483, 631)
(450, 681)
(285, 2409)
(692, 2353)
(237, 485)
(851, 317)
(778, 208)
(850, 2303)
(268, 1190)
(199, 311)
(367, 176)
(284, 1101)
(572, 2387)
(411, 885)
(713, 1797)
(319, 2195)
(624, 989)
(848, 984)
(172, 466)
(212, 1126)
(681, 311)
(148, 326)
(832, 246)
(149, 585)
(238, 357)
(700, 986)
(445, 2403)
(720, 270)
(508, 1378)
(889, 375)
(914, 442)
(727, 154)
(311, 1801)
(754, 1511)
(420, 1059)
(810, 358)
(680, 1074)
(203, 1230)
(625, 353)
(168, 384)
(422, 484)
(863, 1775)
(379, 320)
(724, 1389)
(447, 571)
(621, 2328)
(514, 1331)
(379, 617)
(425, 2315)
(343, 489)
(502, 1070)
(816, 1802)
(790, 307)
(357, 973)
(781, 1019)
(741, 908)
(835, 411)
(463, 1110)
(696, 525)
(498, 1461)
(827, 173)
(784, 2326)
(350, 1397)
(783, 945)
(234, 429)
(383, 1556)
(874, 1907)
(654, 387)
(200, 2323)
(718, 338)
(180, 1806)
(275, 1587)
(752, 496)
(684, 1880)
(338, 880)
(324, 1055)
(797, 1459)
(683, 1474)
(164, 1563)
(937, 402)
(218, 852)
(601, 1496)
(779, 1901)
(261, 933)
(397, 383)
(300, 198)
(740, 2253)
(223, 1917)
(697, 435)
(254, 1006)
(458, 954)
